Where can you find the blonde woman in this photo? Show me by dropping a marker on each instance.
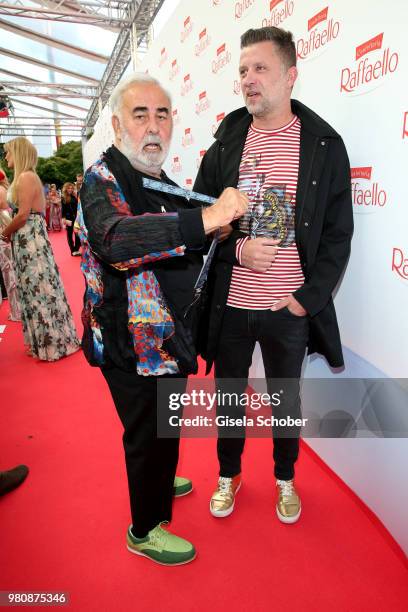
(48, 326)
(6, 260)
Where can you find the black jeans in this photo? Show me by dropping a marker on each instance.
(150, 461)
(282, 337)
(73, 239)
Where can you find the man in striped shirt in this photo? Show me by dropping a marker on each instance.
(274, 276)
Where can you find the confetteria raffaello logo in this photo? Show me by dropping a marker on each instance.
(187, 29)
(203, 103)
(372, 63)
(322, 30)
(217, 123)
(163, 57)
(279, 11)
(187, 85)
(174, 70)
(223, 58)
(203, 42)
(176, 165)
(405, 125)
(243, 8)
(187, 139)
(176, 116)
(367, 195)
(236, 88)
(399, 263)
(200, 157)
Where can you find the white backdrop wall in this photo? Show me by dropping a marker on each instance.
(352, 60)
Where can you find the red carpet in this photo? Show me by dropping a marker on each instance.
(64, 528)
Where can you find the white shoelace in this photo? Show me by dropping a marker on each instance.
(224, 484)
(286, 486)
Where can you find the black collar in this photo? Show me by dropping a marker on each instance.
(236, 124)
(129, 179)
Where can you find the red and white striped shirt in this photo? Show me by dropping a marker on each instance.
(268, 174)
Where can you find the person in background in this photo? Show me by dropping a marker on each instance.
(3, 290)
(78, 183)
(6, 257)
(47, 205)
(48, 325)
(69, 203)
(54, 204)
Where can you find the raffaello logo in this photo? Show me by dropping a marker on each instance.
(363, 76)
(187, 139)
(366, 196)
(236, 88)
(176, 116)
(223, 58)
(163, 57)
(187, 85)
(187, 29)
(176, 165)
(405, 126)
(279, 11)
(174, 70)
(321, 32)
(243, 8)
(217, 123)
(203, 103)
(399, 263)
(189, 183)
(200, 158)
(203, 42)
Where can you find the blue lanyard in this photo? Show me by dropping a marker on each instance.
(189, 195)
(179, 191)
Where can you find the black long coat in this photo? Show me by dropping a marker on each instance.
(323, 223)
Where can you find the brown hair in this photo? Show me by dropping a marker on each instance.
(282, 39)
(65, 187)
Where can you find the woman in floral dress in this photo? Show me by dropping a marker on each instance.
(48, 326)
(6, 259)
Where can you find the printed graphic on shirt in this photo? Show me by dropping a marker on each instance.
(271, 212)
(274, 216)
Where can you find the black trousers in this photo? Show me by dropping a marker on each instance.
(150, 461)
(73, 239)
(2, 286)
(282, 337)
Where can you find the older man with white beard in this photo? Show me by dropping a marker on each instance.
(141, 257)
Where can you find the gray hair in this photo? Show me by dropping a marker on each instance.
(136, 78)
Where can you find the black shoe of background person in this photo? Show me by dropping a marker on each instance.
(11, 479)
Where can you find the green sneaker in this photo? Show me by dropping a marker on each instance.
(161, 546)
(182, 486)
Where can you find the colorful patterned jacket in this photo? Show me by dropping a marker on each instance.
(139, 272)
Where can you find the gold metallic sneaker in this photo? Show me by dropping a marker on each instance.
(288, 507)
(223, 499)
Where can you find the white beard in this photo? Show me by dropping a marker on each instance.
(148, 162)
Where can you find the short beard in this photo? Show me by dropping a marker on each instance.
(258, 109)
(148, 163)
